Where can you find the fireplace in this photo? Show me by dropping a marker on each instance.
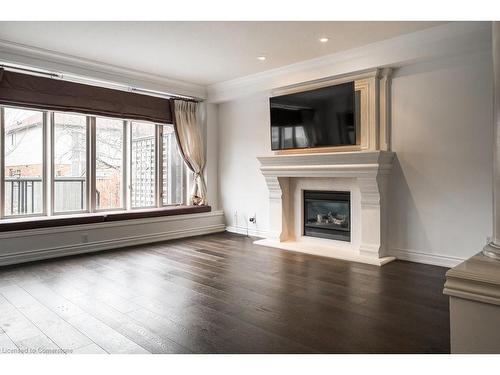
(327, 214)
(356, 182)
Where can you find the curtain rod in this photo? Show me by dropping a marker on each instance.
(97, 82)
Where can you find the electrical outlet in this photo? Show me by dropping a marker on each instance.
(253, 219)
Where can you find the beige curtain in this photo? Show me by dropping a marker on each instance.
(191, 145)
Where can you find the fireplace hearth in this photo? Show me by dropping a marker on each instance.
(327, 214)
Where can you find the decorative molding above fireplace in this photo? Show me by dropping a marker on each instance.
(374, 88)
(363, 173)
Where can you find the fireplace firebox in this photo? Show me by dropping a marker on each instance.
(327, 214)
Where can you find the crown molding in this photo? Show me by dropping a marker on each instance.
(16, 53)
(326, 81)
(450, 39)
(447, 40)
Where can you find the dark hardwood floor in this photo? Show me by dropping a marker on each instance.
(221, 294)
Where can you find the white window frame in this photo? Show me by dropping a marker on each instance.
(88, 173)
(93, 167)
(157, 164)
(2, 165)
(184, 172)
(48, 167)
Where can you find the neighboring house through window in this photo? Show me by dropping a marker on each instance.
(81, 161)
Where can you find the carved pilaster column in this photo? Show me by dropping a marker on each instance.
(278, 207)
(385, 109)
(493, 248)
(370, 213)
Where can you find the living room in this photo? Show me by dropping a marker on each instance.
(283, 186)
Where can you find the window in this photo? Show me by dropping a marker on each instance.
(283, 137)
(23, 161)
(70, 162)
(92, 163)
(109, 163)
(143, 160)
(173, 168)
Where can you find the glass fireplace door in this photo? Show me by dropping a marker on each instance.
(327, 214)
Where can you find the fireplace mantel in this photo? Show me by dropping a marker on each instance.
(364, 173)
(340, 164)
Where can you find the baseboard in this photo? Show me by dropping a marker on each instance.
(402, 254)
(426, 258)
(250, 231)
(409, 255)
(60, 251)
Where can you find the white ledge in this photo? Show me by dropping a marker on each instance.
(342, 164)
(331, 159)
(45, 243)
(478, 279)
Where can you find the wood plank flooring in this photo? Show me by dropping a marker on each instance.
(221, 294)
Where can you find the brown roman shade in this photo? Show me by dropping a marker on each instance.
(23, 90)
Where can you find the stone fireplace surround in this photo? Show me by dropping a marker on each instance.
(363, 173)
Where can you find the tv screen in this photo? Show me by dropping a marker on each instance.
(322, 117)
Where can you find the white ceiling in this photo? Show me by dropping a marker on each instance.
(201, 52)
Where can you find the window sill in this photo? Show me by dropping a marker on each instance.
(8, 225)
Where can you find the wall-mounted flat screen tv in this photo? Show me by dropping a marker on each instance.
(323, 117)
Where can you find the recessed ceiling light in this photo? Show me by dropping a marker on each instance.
(323, 39)
(262, 58)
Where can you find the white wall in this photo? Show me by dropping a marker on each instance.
(212, 154)
(441, 183)
(244, 133)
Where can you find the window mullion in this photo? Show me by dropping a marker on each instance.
(124, 197)
(46, 201)
(51, 156)
(159, 165)
(91, 163)
(128, 165)
(184, 181)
